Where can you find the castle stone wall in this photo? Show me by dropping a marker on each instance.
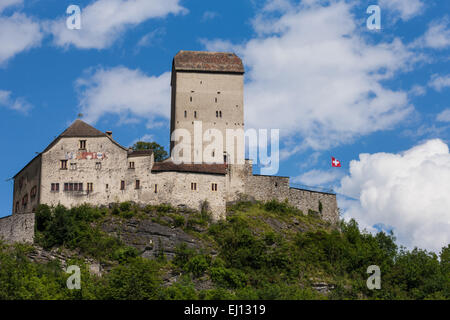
(17, 228)
(265, 188)
(306, 200)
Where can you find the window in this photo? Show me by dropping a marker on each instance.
(55, 187)
(107, 186)
(122, 185)
(33, 192)
(69, 186)
(220, 114)
(195, 114)
(215, 99)
(90, 187)
(193, 186)
(217, 114)
(63, 164)
(185, 113)
(190, 99)
(156, 188)
(138, 184)
(82, 144)
(73, 166)
(25, 200)
(98, 166)
(131, 165)
(17, 206)
(214, 187)
(225, 158)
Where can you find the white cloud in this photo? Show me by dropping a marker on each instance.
(318, 177)
(312, 74)
(209, 15)
(130, 94)
(17, 33)
(444, 116)
(439, 82)
(18, 104)
(408, 191)
(406, 9)
(437, 35)
(103, 21)
(8, 3)
(151, 37)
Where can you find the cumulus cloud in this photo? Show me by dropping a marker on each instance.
(17, 33)
(313, 75)
(318, 177)
(406, 9)
(103, 21)
(444, 116)
(8, 3)
(123, 92)
(437, 35)
(440, 82)
(408, 191)
(18, 104)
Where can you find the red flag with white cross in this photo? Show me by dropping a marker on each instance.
(335, 162)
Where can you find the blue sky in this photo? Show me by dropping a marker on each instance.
(313, 70)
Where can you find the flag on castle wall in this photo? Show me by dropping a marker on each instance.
(335, 162)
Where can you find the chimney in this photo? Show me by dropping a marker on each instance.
(109, 134)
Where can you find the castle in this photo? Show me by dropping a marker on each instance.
(85, 165)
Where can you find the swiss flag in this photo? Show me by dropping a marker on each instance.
(335, 162)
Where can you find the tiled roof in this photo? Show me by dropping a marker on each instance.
(204, 61)
(168, 165)
(81, 129)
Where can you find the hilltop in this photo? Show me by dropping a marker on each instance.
(261, 251)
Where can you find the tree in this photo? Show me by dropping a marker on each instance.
(158, 150)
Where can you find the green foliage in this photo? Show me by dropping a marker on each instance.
(262, 251)
(75, 229)
(158, 151)
(139, 279)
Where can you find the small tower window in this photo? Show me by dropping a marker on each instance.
(122, 185)
(190, 99)
(156, 188)
(217, 114)
(220, 114)
(82, 144)
(215, 99)
(214, 187)
(195, 114)
(138, 184)
(185, 113)
(131, 165)
(90, 187)
(193, 186)
(98, 166)
(63, 164)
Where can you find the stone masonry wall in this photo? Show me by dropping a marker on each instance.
(17, 228)
(306, 200)
(264, 188)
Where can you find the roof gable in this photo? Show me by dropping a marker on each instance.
(81, 129)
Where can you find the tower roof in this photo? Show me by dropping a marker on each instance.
(204, 61)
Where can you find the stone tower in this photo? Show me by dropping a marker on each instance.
(207, 98)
